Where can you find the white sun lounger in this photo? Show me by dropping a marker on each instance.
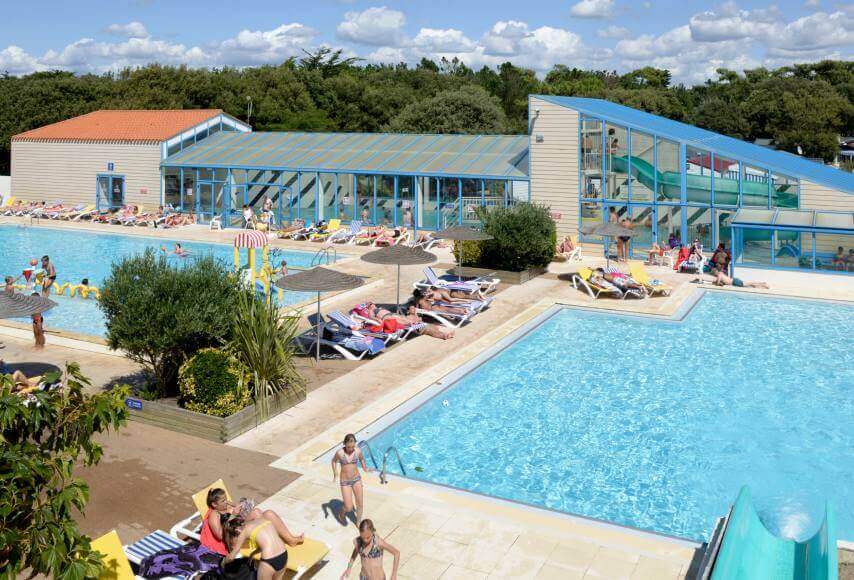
(446, 318)
(307, 341)
(402, 333)
(347, 236)
(480, 285)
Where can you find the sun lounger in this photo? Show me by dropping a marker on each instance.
(60, 213)
(403, 332)
(345, 321)
(301, 558)
(117, 559)
(332, 227)
(350, 344)
(582, 278)
(70, 215)
(346, 236)
(447, 319)
(477, 286)
(653, 287)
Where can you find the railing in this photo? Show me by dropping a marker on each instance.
(383, 478)
(364, 443)
(449, 215)
(329, 253)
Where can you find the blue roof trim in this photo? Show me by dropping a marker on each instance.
(777, 161)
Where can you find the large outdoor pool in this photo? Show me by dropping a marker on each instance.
(82, 254)
(655, 424)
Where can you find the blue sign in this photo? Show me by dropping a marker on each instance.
(134, 404)
(111, 166)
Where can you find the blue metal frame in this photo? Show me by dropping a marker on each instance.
(111, 177)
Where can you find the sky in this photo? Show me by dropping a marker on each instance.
(691, 39)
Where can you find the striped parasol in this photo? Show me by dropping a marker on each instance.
(250, 239)
(22, 305)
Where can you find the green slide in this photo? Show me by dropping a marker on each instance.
(750, 552)
(699, 186)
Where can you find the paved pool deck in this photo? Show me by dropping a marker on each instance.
(443, 533)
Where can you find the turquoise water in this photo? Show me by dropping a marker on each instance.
(78, 254)
(656, 424)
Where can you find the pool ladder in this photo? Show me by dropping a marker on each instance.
(383, 471)
(329, 253)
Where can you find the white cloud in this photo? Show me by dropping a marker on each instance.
(730, 25)
(502, 37)
(16, 61)
(376, 26)
(131, 30)
(442, 41)
(592, 9)
(612, 31)
(817, 31)
(264, 46)
(812, 3)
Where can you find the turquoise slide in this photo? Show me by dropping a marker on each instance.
(750, 552)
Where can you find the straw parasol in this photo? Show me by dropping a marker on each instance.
(462, 234)
(399, 256)
(319, 280)
(23, 305)
(608, 230)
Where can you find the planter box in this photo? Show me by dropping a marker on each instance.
(505, 276)
(221, 429)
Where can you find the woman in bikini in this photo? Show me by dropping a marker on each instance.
(422, 301)
(258, 536)
(370, 549)
(350, 481)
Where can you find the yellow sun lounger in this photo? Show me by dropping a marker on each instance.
(582, 278)
(117, 558)
(332, 227)
(301, 558)
(641, 276)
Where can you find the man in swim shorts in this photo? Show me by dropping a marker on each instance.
(49, 275)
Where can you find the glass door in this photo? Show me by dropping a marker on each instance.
(110, 191)
(204, 201)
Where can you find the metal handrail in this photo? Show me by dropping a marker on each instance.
(324, 253)
(385, 460)
(364, 443)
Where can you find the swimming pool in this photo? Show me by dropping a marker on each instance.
(654, 424)
(80, 254)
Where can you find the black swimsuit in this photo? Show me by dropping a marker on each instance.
(277, 562)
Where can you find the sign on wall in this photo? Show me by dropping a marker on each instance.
(143, 190)
(555, 215)
(111, 166)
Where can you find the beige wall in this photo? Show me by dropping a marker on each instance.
(67, 171)
(554, 162)
(815, 196)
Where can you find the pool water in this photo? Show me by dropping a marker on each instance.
(655, 424)
(81, 254)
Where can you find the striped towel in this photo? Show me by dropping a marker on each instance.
(150, 545)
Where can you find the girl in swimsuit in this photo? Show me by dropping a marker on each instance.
(370, 549)
(349, 458)
(258, 536)
(220, 509)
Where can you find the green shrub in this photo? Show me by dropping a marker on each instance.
(210, 382)
(160, 312)
(471, 252)
(524, 236)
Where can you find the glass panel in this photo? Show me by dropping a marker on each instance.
(259, 194)
(670, 226)
(591, 214)
(172, 186)
(214, 129)
(104, 191)
(344, 197)
(642, 220)
(117, 195)
(220, 174)
(669, 178)
(831, 252)
(519, 192)
(755, 216)
(240, 175)
(365, 198)
(591, 157)
(205, 174)
(698, 168)
(448, 198)
(201, 134)
(326, 203)
(617, 162)
(173, 149)
(757, 247)
(788, 217)
(188, 203)
(617, 214)
(405, 209)
(427, 214)
(724, 219)
(189, 141)
(237, 201)
(471, 200)
(385, 200)
(205, 198)
(643, 166)
(754, 187)
(307, 199)
(838, 220)
(788, 252)
(726, 181)
(289, 183)
(700, 225)
(784, 191)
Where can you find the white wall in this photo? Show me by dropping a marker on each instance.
(5, 188)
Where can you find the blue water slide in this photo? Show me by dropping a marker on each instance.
(749, 551)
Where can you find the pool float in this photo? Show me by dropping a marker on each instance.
(84, 291)
(60, 290)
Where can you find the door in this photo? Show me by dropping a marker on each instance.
(204, 199)
(110, 191)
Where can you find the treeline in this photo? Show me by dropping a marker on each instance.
(807, 105)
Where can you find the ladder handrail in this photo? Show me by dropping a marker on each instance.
(385, 460)
(364, 443)
(324, 252)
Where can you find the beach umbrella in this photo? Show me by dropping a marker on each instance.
(608, 230)
(319, 280)
(399, 256)
(250, 239)
(23, 305)
(462, 234)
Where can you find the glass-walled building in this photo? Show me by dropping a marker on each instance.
(419, 181)
(674, 183)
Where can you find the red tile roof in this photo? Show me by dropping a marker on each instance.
(122, 126)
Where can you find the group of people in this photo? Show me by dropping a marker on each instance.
(266, 221)
(241, 528)
(46, 276)
(843, 262)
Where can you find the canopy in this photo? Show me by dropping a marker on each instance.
(23, 305)
(399, 256)
(250, 239)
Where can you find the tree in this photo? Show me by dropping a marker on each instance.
(467, 110)
(44, 434)
(159, 313)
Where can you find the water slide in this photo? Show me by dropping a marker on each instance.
(749, 551)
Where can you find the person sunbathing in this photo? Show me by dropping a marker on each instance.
(389, 237)
(452, 297)
(722, 279)
(424, 303)
(654, 250)
(624, 282)
(597, 277)
(14, 208)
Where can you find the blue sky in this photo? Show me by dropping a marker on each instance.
(691, 39)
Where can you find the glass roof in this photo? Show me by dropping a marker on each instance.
(485, 156)
(807, 220)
